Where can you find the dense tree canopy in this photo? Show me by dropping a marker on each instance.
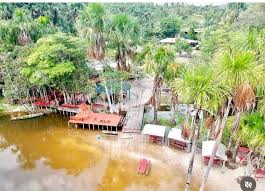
(54, 58)
(59, 46)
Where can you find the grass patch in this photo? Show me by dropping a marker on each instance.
(166, 122)
(1, 104)
(180, 119)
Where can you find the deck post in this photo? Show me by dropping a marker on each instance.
(116, 128)
(76, 125)
(83, 126)
(93, 127)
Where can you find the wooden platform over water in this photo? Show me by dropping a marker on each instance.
(134, 120)
(68, 111)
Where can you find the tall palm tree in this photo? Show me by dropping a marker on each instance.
(251, 40)
(159, 61)
(216, 145)
(91, 26)
(23, 24)
(200, 87)
(240, 71)
(123, 34)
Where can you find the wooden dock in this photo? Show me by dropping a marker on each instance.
(68, 111)
(134, 120)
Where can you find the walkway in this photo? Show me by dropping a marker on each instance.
(134, 120)
(141, 93)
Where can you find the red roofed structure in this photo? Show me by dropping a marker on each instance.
(97, 120)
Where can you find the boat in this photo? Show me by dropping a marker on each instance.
(126, 137)
(109, 132)
(29, 116)
(144, 166)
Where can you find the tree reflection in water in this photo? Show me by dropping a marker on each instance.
(48, 139)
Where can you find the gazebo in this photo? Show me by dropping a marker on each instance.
(207, 148)
(155, 133)
(175, 139)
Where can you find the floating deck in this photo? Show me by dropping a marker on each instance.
(100, 121)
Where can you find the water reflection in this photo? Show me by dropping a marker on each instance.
(49, 140)
(43, 154)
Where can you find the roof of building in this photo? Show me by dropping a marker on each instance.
(175, 133)
(168, 40)
(207, 147)
(96, 118)
(156, 130)
(173, 41)
(198, 30)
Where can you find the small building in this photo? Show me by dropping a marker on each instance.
(175, 139)
(155, 133)
(192, 43)
(99, 121)
(207, 148)
(168, 41)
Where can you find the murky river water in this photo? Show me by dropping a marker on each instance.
(44, 154)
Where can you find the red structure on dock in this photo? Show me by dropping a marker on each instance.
(41, 103)
(100, 121)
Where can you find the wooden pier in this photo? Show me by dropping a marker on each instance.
(97, 121)
(134, 120)
(68, 111)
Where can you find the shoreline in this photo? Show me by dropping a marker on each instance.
(173, 158)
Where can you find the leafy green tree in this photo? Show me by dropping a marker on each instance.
(253, 17)
(54, 58)
(170, 27)
(213, 41)
(16, 86)
(22, 29)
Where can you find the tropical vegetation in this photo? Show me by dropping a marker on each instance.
(55, 46)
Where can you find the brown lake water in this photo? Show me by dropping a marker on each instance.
(44, 154)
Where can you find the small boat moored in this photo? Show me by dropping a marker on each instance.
(29, 116)
(109, 132)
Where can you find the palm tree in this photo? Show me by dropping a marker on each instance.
(123, 34)
(240, 71)
(91, 26)
(216, 145)
(159, 61)
(251, 40)
(173, 70)
(22, 22)
(251, 130)
(200, 87)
